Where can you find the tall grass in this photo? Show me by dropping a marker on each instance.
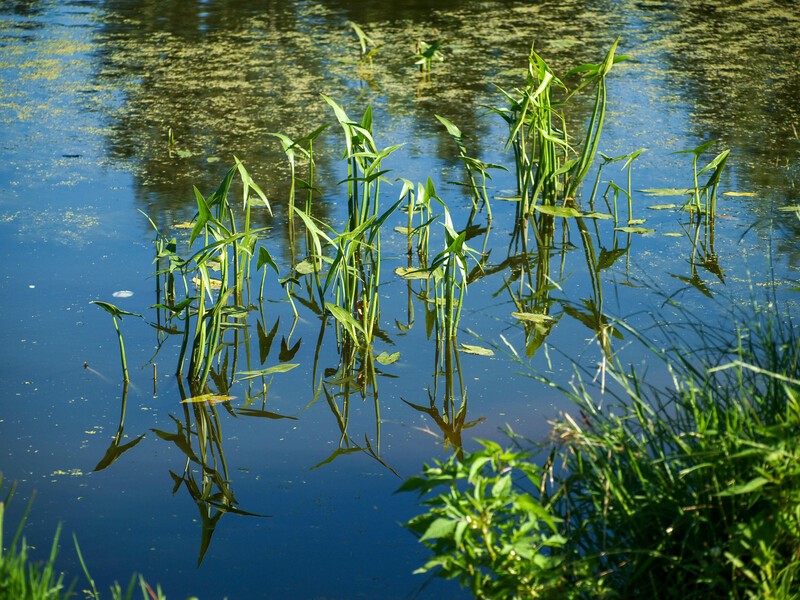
(684, 491)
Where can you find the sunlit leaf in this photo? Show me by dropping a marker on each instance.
(305, 267)
(597, 215)
(385, 358)
(640, 230)
(558, 211)
(412, 273)
(532, 317)
(479, 350)
(208, 398)
(745, 194)
(662, 206)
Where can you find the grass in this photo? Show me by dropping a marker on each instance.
(685, 491)
(23, 579)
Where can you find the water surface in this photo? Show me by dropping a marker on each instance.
(90, 92)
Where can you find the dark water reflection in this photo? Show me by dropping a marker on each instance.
(286, 490)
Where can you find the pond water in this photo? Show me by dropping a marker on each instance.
(114, 109)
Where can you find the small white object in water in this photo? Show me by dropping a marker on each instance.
(122, 294)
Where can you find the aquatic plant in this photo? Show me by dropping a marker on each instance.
(117, 313)
(547, 173)
(473, 167)
(427, 53)
(364, 41)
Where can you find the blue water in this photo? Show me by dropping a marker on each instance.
(89, 91)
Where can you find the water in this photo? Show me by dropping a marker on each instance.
(89, 93)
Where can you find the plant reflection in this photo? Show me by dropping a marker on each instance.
(205, 475)
(117, 449)
(355, 378)
(451, 418)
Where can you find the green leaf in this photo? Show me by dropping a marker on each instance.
(282, 368)
(745, 488)
(502, 487)
(667, 191)
(385, 358)
(558, 211)
(641, 230)
(479, 350)
(110, 308)
(439, 528)
(532, 317)
(346, 319)
(412, 273)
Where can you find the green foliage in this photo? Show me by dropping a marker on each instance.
(689, 491)
(487, 527)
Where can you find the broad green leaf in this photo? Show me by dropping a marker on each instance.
(305, 267)
(744, 194)
(597, 215)
(439, 528)
(345, 318)
(265, 258)
(558, 211)
(412, 273)
(502, 487)
(663, 206)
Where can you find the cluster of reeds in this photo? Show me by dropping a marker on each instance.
(548, 169)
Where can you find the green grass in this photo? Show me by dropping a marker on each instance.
(690, 490)
(22, 578)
